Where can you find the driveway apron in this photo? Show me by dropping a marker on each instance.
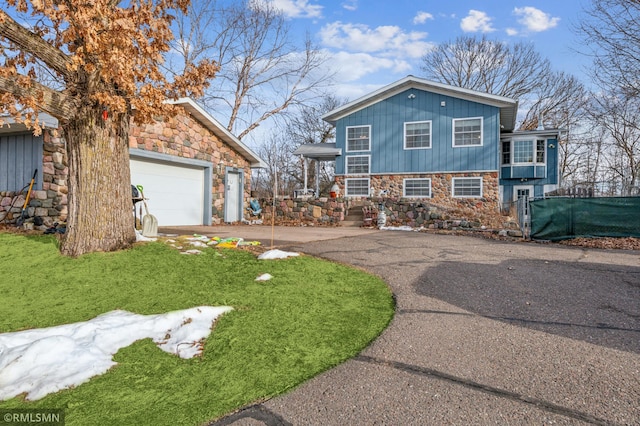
(485, 332)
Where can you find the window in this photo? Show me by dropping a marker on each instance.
(467, 132)
(358, 138)
(417, 188)
(357, 164)
(540, 151)
(467, 187)
(357, 187)
(506, 152)
(417, 135)
(523, 151)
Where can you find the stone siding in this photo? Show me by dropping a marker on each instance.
(391, 187)
(180, 136)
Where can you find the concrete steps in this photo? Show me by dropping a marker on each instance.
(354, 217)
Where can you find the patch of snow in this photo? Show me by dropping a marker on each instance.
(192, 251)
(396, 228)
(140, 237)
(276, 254)
(43, 361)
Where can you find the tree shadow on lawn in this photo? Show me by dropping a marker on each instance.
(595, 303)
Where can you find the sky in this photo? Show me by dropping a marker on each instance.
(372, 43)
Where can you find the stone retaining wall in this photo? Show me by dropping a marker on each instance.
(305, 211)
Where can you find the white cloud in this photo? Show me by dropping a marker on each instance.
(350, 5)
(296, 8)
(388, 41)
(511, 32)
(353, 66)
(422, 17)
(476, 21)
(534, 19)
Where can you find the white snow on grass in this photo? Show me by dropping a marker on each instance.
(43, 361)
(276, 254)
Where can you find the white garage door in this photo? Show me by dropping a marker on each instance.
(174, 192)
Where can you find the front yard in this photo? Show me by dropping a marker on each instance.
(310, 316)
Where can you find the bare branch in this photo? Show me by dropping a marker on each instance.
(55, 103)
(34, 45)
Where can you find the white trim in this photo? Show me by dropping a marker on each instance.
(418, 122)
(404, 188)
(346, 140)
(517, 187)
(453, 132)
(346, 187)
(346, 165)
(534, 141)
(453, 186)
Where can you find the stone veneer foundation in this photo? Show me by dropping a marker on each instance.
(441, 191)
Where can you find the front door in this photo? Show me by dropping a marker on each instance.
(233, 197)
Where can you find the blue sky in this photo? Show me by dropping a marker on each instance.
(376, 42)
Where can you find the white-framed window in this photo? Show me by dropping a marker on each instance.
(358, 138)
(467, 132)
(417, 188)
(525, 151)
(417, 135)
(358, 164)
(466, 187)
(356, 187)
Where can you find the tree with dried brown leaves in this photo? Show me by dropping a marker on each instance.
(93, 65)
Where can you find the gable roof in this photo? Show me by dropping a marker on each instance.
(508, 107)
(198, 113)
(189, 105)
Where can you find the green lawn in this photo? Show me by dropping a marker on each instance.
(311, 316)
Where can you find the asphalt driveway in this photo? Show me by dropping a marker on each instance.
(485, 332)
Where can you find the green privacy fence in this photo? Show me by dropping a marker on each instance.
(562, 218)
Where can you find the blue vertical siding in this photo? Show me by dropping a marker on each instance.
(543, 175)
(387, 119)
(20, 155)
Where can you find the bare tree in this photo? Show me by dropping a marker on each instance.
(91, 65)
(618, 118)
(609, 30)
(488, 66)
(276, 178)
(264, 71)
(306, 126)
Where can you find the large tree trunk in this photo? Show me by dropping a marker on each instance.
(100, 214)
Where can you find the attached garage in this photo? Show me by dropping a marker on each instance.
(177, 189)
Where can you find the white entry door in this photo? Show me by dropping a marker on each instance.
(523, 192)
(233, 197)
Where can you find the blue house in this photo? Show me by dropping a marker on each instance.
(418, 139)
